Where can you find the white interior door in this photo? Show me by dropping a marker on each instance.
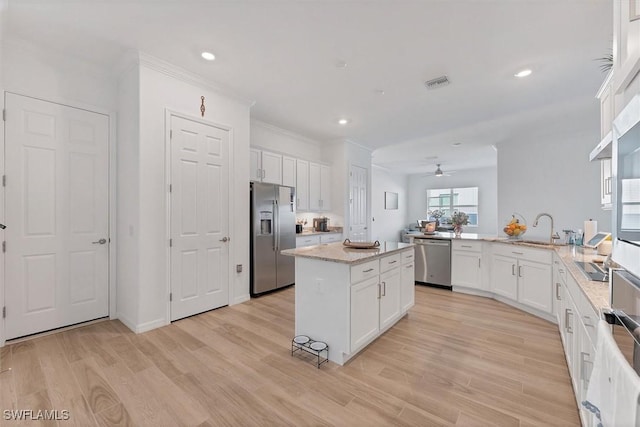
(199, 217)
(358, 224)
(57, 215)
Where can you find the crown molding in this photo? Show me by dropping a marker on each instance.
(285, 132)
(173, 71)
(364, 147)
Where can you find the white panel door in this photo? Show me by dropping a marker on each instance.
(325, 188)
(255, 165)
(199, 217)
(358, 203)
(57, 215)
(288, 171)
(534, 285)
(271, 168)
(391, 283)
(504, 279)
(314, 187)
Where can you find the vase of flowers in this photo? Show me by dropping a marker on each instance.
(458, 219)
(436, 214)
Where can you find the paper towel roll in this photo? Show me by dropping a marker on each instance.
(590, 230)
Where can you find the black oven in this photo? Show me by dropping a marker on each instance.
(625, 315)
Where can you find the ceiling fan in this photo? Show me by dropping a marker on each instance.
(440, 173)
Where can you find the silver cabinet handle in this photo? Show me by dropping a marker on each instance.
(465, 246)
(517, 253)
(100, 242)
(379, 290)
(568, 327)
(587, 322)
(478, 262)
(558, 291)
(263, 173)
(513, 269)
(384, 289)
(225, 239)
(367, 270)
(519, 271)
(393, 262)
(560, 270)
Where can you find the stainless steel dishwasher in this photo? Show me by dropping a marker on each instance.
(433, 261)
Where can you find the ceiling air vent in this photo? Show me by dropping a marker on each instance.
(437, 82)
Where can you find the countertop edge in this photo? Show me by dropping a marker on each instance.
(300, 252)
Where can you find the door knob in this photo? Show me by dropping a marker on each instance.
(100, 242)
(225, 239)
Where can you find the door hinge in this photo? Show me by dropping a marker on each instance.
(170, 296)
(4, 246)
(170, 242)
(4, 180)
(170, 188)
(4, 115)
(4, 311)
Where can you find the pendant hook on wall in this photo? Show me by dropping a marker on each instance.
(202, 106)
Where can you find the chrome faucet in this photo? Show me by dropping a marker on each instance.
(554, 236)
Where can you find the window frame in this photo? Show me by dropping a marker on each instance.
(455, 207)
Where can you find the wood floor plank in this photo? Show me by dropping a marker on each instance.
(454, 359)
(94, 386)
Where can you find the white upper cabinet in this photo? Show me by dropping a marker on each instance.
(319, 187)
(302, 185)
(265, 166)
(288, 171)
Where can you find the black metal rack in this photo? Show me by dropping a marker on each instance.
(316, 348)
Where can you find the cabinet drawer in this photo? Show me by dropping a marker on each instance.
(364, 271)
(307, 241)
(517, 251)
(330, 238)
(389, 262)
(466, 245)
(408, 256)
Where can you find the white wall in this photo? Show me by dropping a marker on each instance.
(272, 138)
(486, 181)
(128, 183)
(159, 91)
(551, 173)
(55, 76)
(386, 224)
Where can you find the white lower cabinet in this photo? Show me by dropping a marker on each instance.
(466, 262)
(523, 275)
(365, 312)
(302, 241)
(390, 283)
(377, 302)
(503, 276)
(534, 285)
(408, 286)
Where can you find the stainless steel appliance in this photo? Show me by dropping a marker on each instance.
(625, 315)
(273, 228)
(626, 191)
(321, 224)
(433, 261)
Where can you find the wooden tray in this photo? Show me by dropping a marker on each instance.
(361, 245)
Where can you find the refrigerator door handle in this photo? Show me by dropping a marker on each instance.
(276, 224)
(273, 223)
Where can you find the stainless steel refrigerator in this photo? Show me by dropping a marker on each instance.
(273, 228)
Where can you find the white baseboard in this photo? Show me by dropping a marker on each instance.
(240, 299)
(143, 327)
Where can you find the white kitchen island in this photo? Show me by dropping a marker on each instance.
(347, 297)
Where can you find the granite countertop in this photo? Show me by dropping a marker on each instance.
(597, 292)
(337, 252)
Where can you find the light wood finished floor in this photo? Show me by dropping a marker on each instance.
(453, 360)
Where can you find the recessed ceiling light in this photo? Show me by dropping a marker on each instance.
(524, 73)
(208, 56)
(343, 121)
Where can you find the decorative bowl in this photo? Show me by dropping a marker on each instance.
(515, 227)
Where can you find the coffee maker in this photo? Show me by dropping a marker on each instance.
(321, 224)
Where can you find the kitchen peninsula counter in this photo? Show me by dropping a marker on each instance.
(347, 297)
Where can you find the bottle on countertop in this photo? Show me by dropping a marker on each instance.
(579, 237)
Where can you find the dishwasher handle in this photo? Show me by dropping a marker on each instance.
(435, 243)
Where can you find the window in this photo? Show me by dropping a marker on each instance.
(454, 199)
